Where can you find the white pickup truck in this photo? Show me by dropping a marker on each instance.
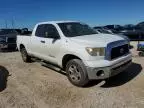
(77, 49)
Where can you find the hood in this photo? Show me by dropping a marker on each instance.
(99, 40)
(125, 37)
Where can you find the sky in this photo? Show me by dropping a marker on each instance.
(26, 13)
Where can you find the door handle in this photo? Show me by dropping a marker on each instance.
(42, 41)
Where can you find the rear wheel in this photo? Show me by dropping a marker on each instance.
(26, 58)
(76, 73)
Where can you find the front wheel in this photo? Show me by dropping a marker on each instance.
(76, 73)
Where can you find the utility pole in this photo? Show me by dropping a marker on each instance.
(6, 23)
(13, 23)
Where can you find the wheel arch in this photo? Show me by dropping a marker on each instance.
(67, 58)
(21, 46)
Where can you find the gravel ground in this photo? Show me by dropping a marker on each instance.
(34, 86)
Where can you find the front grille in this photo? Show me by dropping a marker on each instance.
(119, 51)
(11, 40)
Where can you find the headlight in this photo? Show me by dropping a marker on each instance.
(96, 51)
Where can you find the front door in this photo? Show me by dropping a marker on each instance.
(52, 43)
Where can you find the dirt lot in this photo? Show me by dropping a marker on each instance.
(35, 86)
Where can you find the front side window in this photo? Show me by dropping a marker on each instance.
(75, 29)
(51, 31)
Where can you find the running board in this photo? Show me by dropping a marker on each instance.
(50, 66)
(53, 67)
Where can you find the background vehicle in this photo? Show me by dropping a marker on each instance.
(25, 31)
(107, 31)
(102, 30)
(77, 49)
(133, 35)
(8, 38)
(133, 32)
(114, 28)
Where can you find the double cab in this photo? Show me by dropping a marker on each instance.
(77, 49)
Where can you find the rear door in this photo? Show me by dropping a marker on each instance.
(38, 42)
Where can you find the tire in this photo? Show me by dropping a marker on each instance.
(77, 73)
(26, 58)
(3, 78)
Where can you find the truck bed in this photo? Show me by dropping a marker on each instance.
(23, 39)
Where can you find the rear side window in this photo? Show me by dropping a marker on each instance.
(40, 31)
(47, 31)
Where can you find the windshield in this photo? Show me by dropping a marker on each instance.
(7, 31)
(76, 29)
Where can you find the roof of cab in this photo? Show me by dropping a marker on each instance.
(55, 22)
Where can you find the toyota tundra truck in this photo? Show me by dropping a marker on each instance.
(77, 49)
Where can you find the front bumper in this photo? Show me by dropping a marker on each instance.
(108, 71)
